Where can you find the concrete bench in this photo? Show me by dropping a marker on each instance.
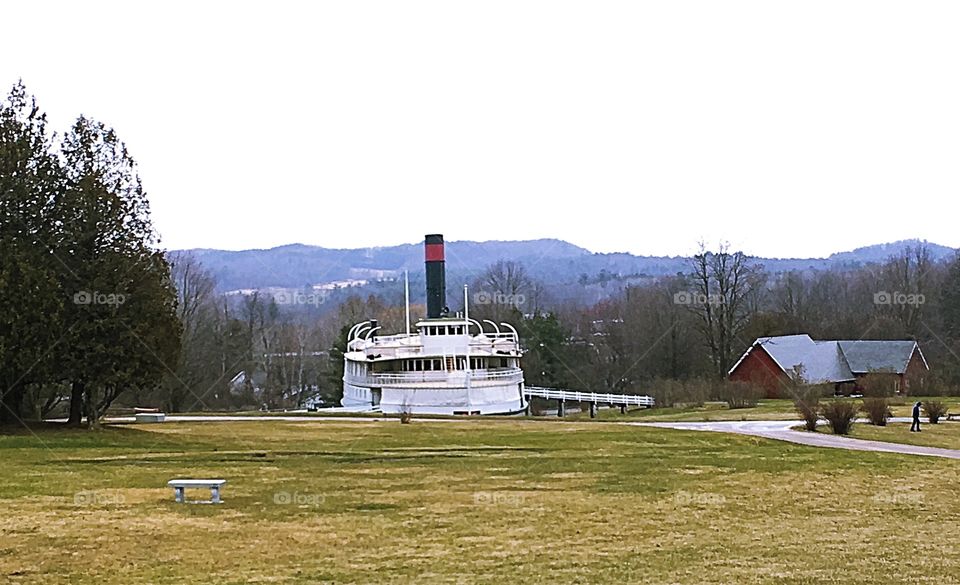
(953, 415)
(179, 485)
(149, 417)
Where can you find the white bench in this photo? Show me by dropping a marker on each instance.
(179, 485)
(149, 417)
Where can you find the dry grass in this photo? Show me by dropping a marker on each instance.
(477, 502)
(943, 434)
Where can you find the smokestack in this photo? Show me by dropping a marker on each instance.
(436, 275)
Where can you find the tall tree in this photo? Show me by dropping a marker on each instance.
(30, 296)
(950, 299)
(124, 330)
(197, 313)
(724, 286)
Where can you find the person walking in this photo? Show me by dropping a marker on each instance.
(915, 427)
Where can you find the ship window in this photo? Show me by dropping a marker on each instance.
(437, 365)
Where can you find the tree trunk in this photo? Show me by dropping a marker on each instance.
(10, 405)
(90, 409)
(76, 404)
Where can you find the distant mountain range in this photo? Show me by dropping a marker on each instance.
(555, 262)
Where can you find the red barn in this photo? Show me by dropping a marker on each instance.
(772, 361)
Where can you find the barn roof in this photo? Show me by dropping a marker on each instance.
(835, 361)
(878, 356)
(821, 360)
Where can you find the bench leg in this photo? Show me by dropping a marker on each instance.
(178, 494)
(215, 494)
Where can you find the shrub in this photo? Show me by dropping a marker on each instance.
(877, 410)
(840, 414)
(740, 394)
(935, 410)
(696, 391)
(806, 399)
(877, 385)
(666, 393)
(669, 393)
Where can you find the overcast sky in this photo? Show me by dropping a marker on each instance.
(787, 129)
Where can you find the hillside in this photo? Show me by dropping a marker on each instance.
(555, 262)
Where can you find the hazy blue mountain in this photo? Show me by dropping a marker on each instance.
(555, 262)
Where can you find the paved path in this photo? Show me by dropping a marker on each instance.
(781, 430)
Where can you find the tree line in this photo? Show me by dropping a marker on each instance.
(94, 315)
(87, 310)
(695, 325)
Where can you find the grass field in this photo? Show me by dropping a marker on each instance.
(945, 434)
(470, 502)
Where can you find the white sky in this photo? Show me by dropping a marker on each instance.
(788, 129)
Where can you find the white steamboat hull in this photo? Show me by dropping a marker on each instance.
(492, 399)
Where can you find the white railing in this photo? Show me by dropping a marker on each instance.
(505, 375)
(553, 393)
(402, 340)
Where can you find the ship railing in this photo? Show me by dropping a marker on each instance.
(397, 341)
(390, 378)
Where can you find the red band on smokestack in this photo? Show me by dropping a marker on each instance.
(433, 252)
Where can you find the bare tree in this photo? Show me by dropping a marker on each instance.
(724, 286)
(504, 287)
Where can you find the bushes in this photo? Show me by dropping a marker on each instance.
(669, 393)
(840, 414)
(877, 410)
(935, 410)
(806, 399)
(877, 385)
(740, 394)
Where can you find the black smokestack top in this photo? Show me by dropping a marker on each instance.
(436, 275)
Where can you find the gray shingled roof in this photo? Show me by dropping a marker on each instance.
(877, 356)
(835, 361)
(821, 360)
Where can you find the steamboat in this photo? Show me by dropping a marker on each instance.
(448, 365)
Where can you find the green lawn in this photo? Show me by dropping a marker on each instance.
(479, 501)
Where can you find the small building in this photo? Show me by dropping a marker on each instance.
(772, 362)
